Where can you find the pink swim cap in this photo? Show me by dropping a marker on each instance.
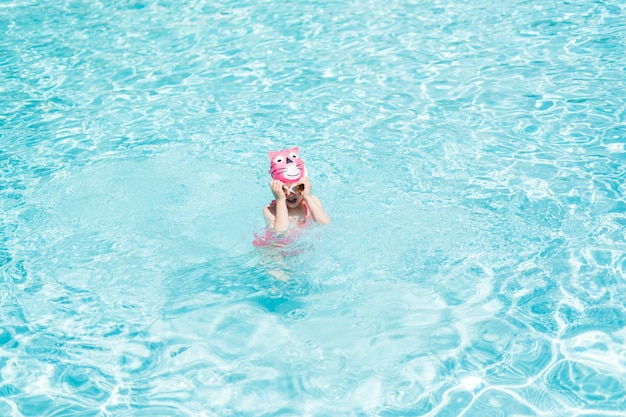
(286, 165)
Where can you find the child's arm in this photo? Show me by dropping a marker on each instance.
(315, 205)
(316, 209)
(281, 218)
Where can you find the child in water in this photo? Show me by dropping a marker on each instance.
(294, 202)
(293, 206)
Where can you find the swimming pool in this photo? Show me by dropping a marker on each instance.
(470, 154)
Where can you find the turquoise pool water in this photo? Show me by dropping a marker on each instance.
(471, 156)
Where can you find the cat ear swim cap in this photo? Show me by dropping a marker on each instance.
(286, 165)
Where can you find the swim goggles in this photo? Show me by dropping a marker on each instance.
(296, 188)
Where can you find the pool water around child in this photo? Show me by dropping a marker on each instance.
(470, 155)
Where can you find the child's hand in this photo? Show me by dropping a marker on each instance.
(278, 190)
(307, 185)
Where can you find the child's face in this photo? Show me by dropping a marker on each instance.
(293, 194)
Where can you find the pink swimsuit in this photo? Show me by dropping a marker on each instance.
(270, 238)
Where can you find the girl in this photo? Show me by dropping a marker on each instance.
(293, 206)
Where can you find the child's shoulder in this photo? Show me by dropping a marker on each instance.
(271, 206)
